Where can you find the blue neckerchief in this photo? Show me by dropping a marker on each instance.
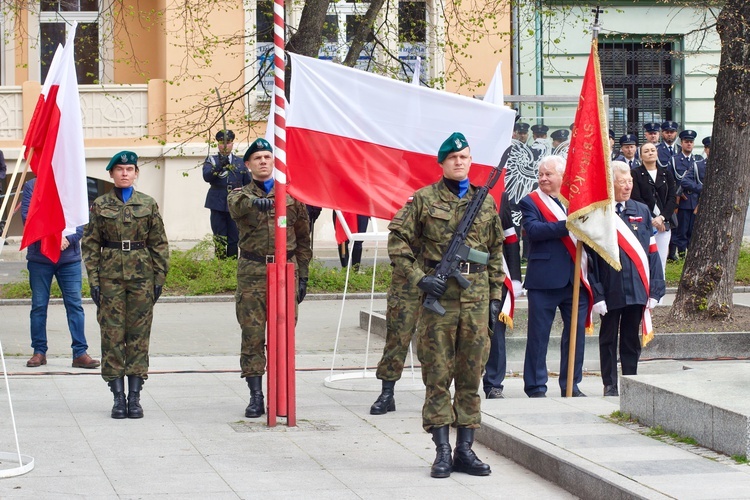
(463, 187)
(127, 193)
(268, 185)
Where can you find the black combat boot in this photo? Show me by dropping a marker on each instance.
(443, 464)
(119, 409)
(256, 408)
(135, 383)
(672, 254)
(464, 459)
(385, 402)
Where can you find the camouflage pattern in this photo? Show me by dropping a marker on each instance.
(126, 278)
(257, 236)
(454, 347)
(402, 314)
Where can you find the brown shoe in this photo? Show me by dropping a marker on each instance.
(38, 359)
(85, 361)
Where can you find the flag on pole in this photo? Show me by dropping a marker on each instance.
(59, 203)
(587, 183)
(363, 143)
(494, 92)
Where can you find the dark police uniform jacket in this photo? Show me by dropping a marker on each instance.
(221, 178)
(692, 184)
(665, 153)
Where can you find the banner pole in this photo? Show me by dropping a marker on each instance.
(15, 195)
(574, 320)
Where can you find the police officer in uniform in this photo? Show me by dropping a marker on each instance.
(402, 313)
(628, 148)
(453, 347)
(126, 253)
(706, 146)
(252, 208)
(651, 132)
(559, 136)
(693, 169)
(667, 148)
(614, 153)
(224, 171)
(521, 132)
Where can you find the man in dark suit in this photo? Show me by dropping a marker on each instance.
(620, 297)
(549, 281)
(225, 172)
(628, 150)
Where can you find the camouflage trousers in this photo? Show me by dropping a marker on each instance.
(125, 314)
(401, 318)
(250, 306)
(453, 348)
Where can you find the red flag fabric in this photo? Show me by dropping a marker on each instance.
(363, 143)
(587, 183)
(59, 203)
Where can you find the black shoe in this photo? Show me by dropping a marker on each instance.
(495, 393)
(611, 390)
(119, 409)
(443, 464)
(464, 459)
(576, 393)
(135, 383)
(537, 395)
(385, 402)
(256, 407)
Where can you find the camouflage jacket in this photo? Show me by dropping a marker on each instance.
(111, 220)
(256, 229)
(431, 221)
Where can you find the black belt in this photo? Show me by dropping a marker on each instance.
(125, 245)
(464, 267)
(265, 259)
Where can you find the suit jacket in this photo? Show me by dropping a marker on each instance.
(636, 162)
(665, 153)
(659, 193)
(223, 180)
(550, 265)
(625, 288)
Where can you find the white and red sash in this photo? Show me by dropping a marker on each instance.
(509, 303)
(634, 250)
(552, 212)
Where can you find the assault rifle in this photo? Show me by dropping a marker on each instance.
(457, 251)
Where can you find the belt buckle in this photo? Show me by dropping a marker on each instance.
(270, 259)
(125, 245)
(465, 267)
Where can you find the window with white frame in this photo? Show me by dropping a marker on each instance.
(56, 17)
(412, 38)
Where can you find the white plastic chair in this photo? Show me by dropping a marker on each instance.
(377, 237)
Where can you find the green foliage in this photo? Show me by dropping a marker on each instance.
(22, 289)
(332, 280)
(197, 272)
(740, 459)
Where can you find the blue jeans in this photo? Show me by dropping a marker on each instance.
(69, 278)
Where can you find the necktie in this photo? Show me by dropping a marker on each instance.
(631, 163)
(619, 208)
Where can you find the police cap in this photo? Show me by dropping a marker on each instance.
(560, 135)
(225, 133)
(259, 144)
(651, 127)
(521, 127)
(123, 158)
(628, 139)
(539, 129)
(456, 142)
(612, 134)
(707, 142)
(688, 135)
(669, 125)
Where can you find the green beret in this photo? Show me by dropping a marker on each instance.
(456, 142)
(257, 145)
(123, 158)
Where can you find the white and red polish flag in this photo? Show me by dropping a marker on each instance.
(363, 143)
(60, 201)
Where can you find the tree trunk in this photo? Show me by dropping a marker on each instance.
(707, 282)
(308, 38)
(364, 30)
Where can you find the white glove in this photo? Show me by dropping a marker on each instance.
(652, 303)
(600, 308)
(518, 290)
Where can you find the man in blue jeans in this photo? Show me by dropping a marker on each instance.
(68, 273)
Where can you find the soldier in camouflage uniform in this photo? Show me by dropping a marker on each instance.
(401, 317)
(453, 347)
(126, 253)
(252, 208)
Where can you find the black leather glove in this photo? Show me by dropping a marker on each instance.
(223, 161)
(157, 292)
(263, 204)
(313, 212)
(432, 285)
(301, 290)
(96, 294)
(495, 307)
